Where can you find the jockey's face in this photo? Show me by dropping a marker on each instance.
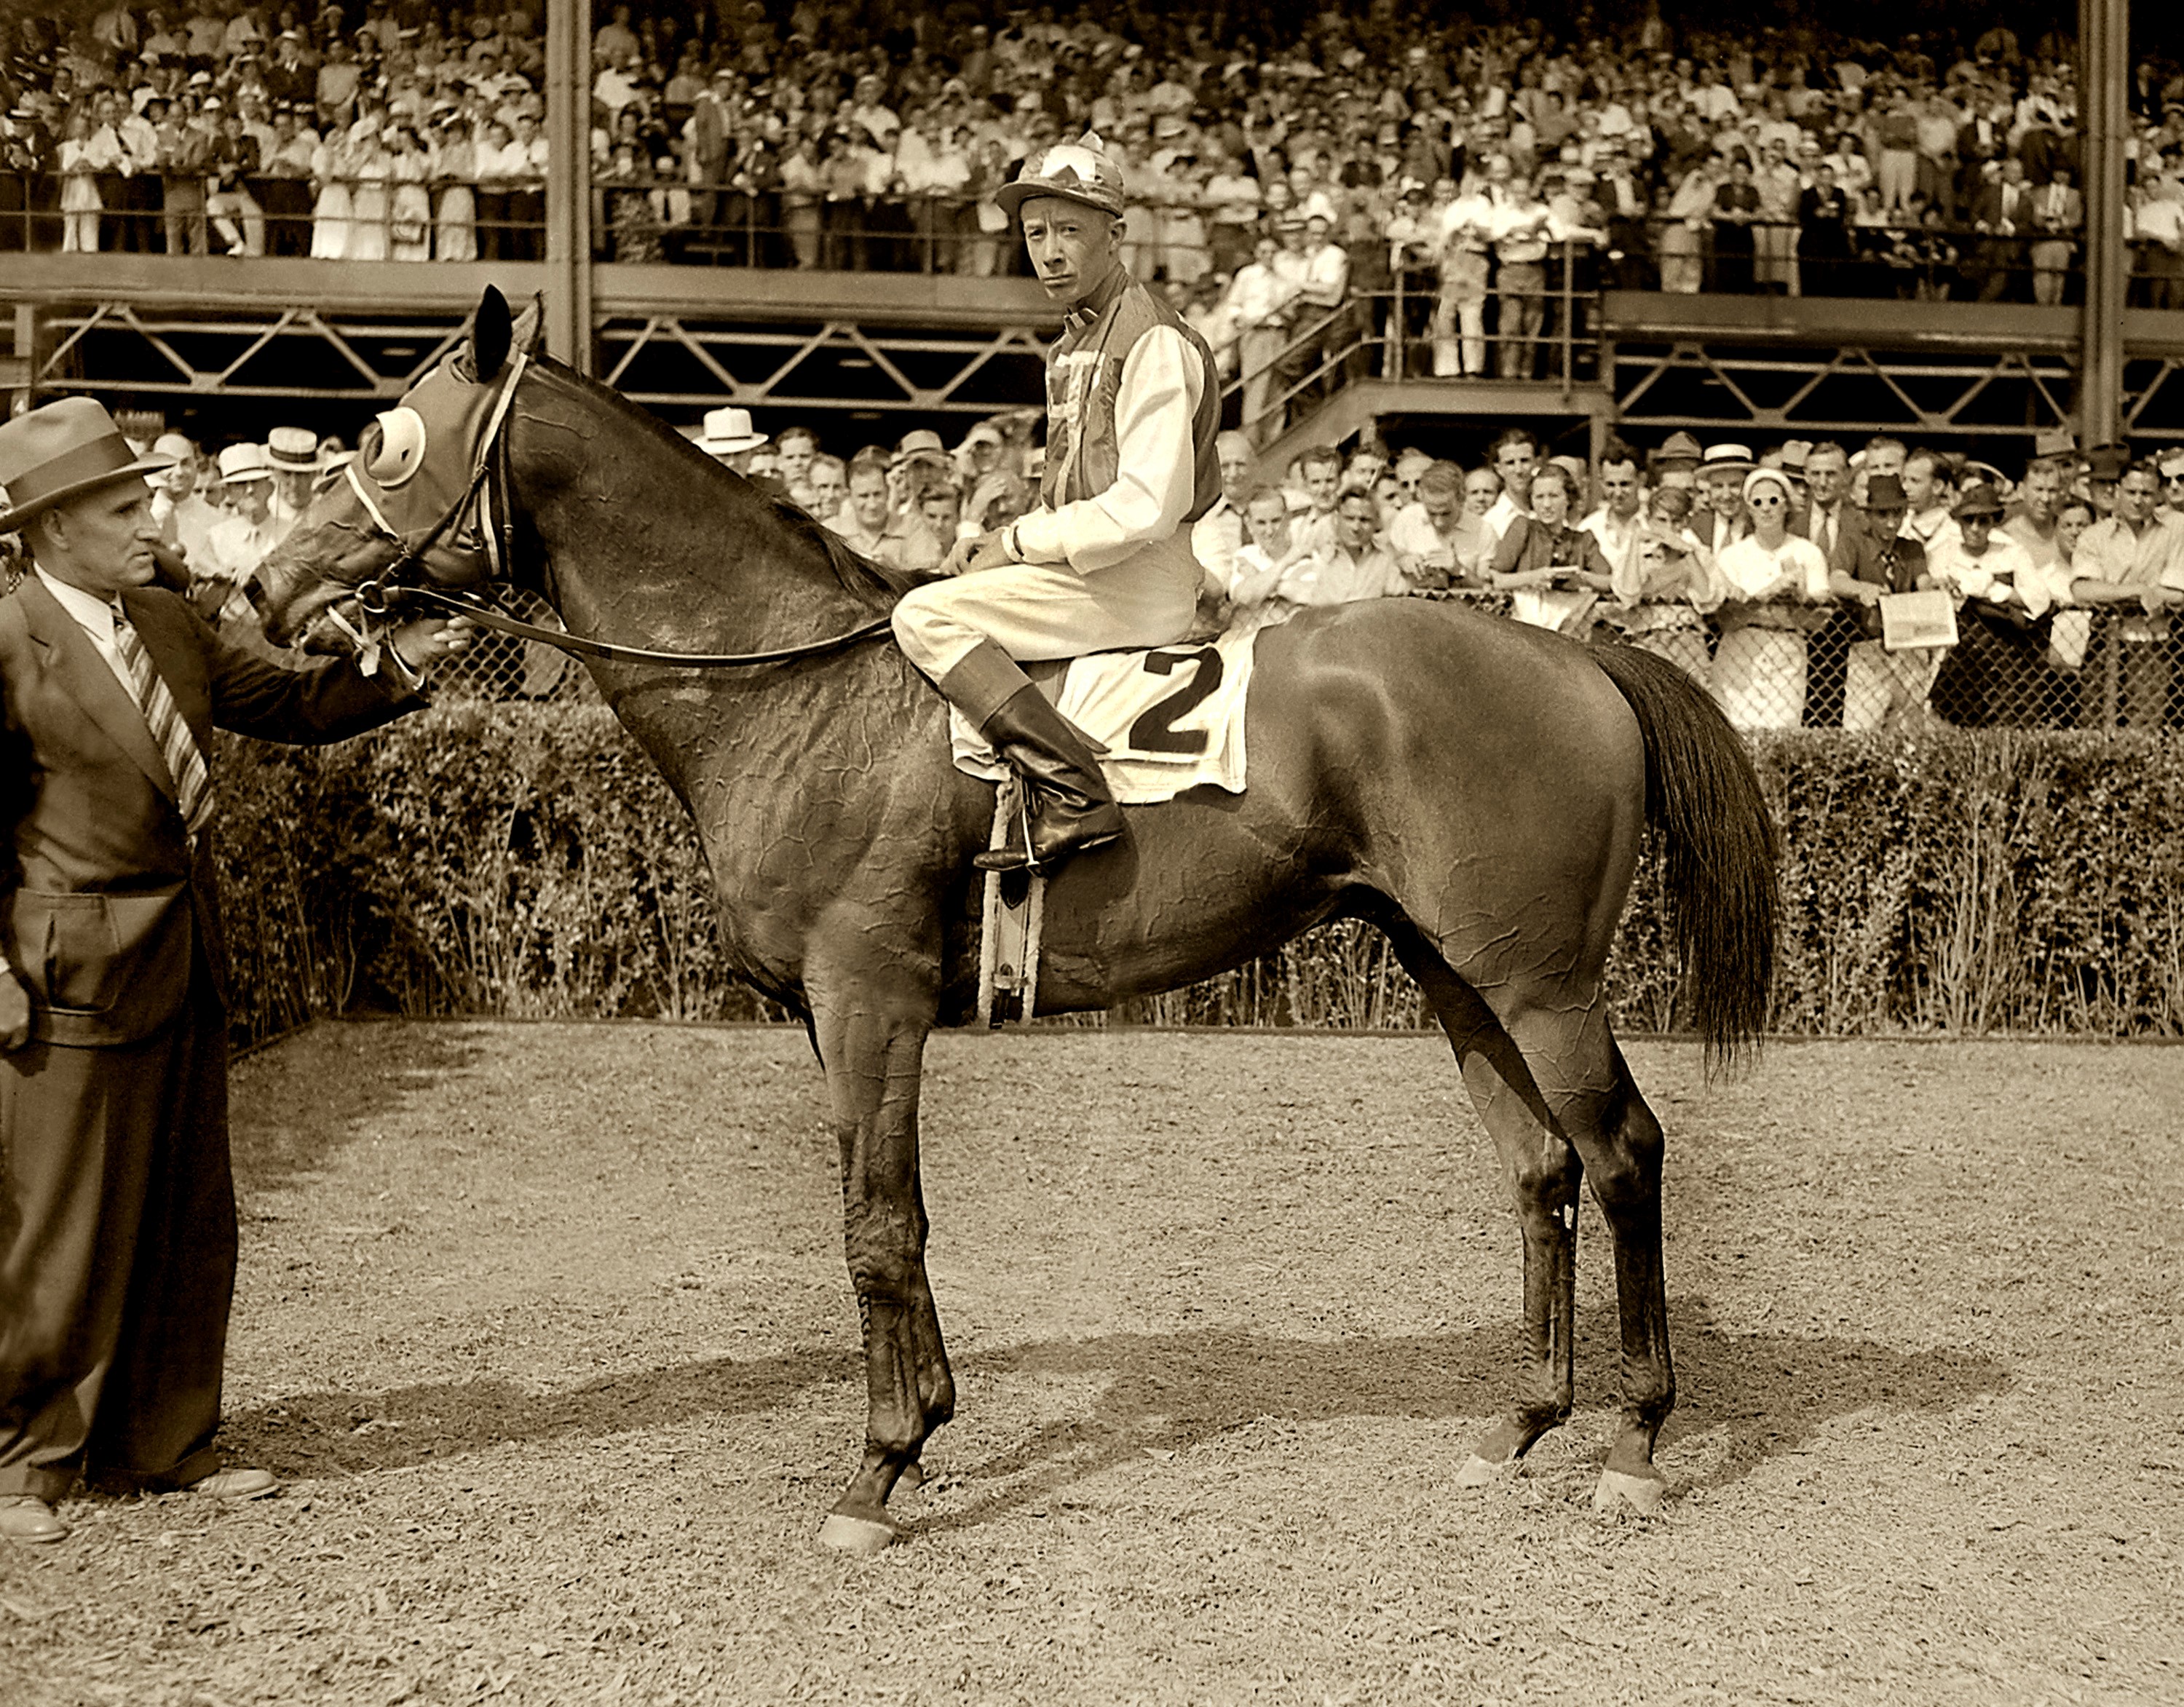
(1075, 250)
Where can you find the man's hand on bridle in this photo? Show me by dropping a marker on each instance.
(431, 638)
(981, 551)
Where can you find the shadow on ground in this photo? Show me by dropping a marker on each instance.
(1766, 1393)
(282, 1127)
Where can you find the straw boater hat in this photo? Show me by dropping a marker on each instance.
(1727, 459)
(52, 454)
(728, 432)
(293, 450)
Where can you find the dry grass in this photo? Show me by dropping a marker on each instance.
(547, 1324)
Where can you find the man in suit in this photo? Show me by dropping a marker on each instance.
(2004, 206)
(1882, 689)
(117, 1206)
(2058, 211)
(1832, 522)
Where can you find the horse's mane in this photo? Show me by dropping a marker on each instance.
(860, 575)
(871, 583)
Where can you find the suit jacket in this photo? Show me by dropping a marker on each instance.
(107, 906)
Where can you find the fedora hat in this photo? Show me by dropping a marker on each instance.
(49, 455)
(728, 432)
(241, 462)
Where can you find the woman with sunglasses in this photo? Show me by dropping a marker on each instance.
(1772, 580)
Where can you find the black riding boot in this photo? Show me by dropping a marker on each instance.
(1067, 798)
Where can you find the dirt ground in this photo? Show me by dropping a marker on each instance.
(547, 1328)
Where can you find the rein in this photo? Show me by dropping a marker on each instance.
(376, 597)
(378, 600)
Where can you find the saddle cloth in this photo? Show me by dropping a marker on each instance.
(1170, 719)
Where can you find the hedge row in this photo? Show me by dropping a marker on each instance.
(529, 861)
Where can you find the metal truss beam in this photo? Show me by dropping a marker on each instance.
(674, 358)
(270, 352)
(1692, 383)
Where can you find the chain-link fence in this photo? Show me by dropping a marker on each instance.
(1783, 666)
(1769, 667)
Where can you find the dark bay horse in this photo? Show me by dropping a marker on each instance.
(1476, 789)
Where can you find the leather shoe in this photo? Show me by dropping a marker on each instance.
(25, 1517)
(236, 1484)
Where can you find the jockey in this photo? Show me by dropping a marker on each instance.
(1104, 560)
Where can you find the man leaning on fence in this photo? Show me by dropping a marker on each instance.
(2126, 560)
(117, 1205)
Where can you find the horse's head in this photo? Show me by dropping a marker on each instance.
(418, 501)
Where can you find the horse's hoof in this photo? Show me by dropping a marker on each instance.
(859, 1537)
(1485, 1472)
(1641, 1493)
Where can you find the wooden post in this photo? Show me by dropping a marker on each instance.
(569, 182)
(2104, 73)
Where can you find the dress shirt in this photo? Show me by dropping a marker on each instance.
(1619, 544)
(1468, 548)
(2109, 551)
(1215, 537)
(2004, 568)
(95, 616)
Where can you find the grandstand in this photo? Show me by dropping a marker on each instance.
(228, 216)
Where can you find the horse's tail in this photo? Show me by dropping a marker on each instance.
(1703, 799)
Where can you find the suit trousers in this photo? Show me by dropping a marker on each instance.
(117, 1255)
(1035, 610)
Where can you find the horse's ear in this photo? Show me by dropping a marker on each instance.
(530, 329)
(490, 331)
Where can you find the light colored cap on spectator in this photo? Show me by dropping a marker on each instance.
(1762, 476)
(1730, 458)
(2172, 464)
(1317, 207)
(211, 104)
(241, 462)
(292, 449)
(2054, 441)
(1679, 447)
(1794, 453)
(201, 80)
(728, 431)
(918, 441)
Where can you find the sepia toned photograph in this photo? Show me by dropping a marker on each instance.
(920, 852)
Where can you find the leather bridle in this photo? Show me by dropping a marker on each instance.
(491, 533)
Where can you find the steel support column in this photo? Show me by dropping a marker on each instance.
(2104, 73)
(568, 134)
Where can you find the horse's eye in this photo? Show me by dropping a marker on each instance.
(401, 450)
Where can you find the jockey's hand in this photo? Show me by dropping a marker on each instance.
(981, 551)
(431, 638)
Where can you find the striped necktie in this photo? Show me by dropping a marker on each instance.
(186, 761)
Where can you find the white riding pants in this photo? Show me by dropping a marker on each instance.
(1035, 610)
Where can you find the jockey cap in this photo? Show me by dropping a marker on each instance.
(1079, 171)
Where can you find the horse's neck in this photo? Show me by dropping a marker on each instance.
(645, 550)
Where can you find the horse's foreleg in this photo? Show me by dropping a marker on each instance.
(873, 1050)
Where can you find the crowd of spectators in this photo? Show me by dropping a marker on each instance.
(1809, 584)
(832, 133)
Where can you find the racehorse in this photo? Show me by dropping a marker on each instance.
(1476, 789)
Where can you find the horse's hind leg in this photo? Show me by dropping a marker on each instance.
(1542, 1170)
(1587, 1086)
